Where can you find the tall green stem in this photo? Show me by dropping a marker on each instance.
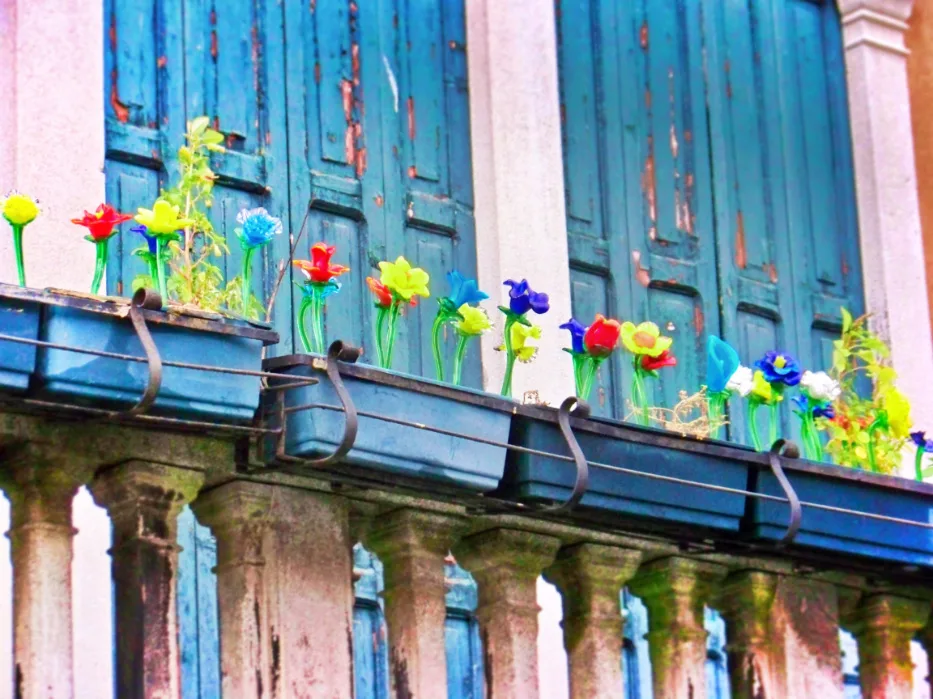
(302, 327)
(392, 331)
(639, 395)
(436, 346)
(774, 417)
(382, 313)
(458, 358)
(715, 402)
(509, 358)
(18, 249)
(317, 326)
(160, 270)
(872, 429)
(751, 419)
(589, 371)
(100, 264)
(153, 269)
(918, 464)
(247, 271)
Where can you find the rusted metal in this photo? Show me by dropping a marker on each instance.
(741, 254)
(788, 450)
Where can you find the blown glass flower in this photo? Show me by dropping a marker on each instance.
(381, 293)
(463, 291)
(320, 283)
(319, 269)
(101, 223)
(644, 338)
(474, 321)
(742, 381)
(820, 386)
(601, 337)
(403, 280)
(162, 219)
(523, 299)
(665, 359)
(150, 239)
(19, 209)
(258, 227)
(779, 367)
(919, 438)
(577, 331)
(722, 361)
(762, 390)
(521, 334)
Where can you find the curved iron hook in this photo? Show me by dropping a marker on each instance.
(150, 300)
(580, 408)
(791, 451)
(337, 352)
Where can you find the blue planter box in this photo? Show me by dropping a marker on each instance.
(531, 477)
(19, 317)
(96, 324)
(390, 447)
(835, 486)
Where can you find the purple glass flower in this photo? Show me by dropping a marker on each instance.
(577, 331)
(150, 239)
(824, 410)
(522, 299)
(920, 439)
(778, 367)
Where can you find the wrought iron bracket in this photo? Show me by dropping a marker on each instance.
(789, 450)
(149, 300)
(579, 408)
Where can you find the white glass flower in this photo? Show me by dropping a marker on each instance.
(741, 381)
(820, 386)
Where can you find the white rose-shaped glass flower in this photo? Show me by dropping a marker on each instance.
(820, 386)
(741, 381)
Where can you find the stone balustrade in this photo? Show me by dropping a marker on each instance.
(285, 584)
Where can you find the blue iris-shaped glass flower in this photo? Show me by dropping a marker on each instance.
(150, 239)
(721, 362)
(779, 367)
(920, 439)
(258, 227)
(463, 290)
(577, 331)
(522, 299)
(819, 409)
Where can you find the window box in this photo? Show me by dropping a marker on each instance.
(391, 447)
(19, 317)
(103, 325)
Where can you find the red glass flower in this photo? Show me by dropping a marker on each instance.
(319, 269)
(101, 223)
(666, 358)
(602, 336)
(383, 296)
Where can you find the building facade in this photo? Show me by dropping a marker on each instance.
(735, 168)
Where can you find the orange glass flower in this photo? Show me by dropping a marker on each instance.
(384, 298)
(101, 223)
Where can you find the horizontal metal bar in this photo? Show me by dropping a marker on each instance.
(618, 469)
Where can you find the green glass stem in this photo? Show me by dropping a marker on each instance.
(458, 358)
(774, 418)
(589, 371)
(918, 464)
(872, 429)
(815, 439)
(578, 368)
(153, 269)
(302, 324)
(391, 332)
(807, 433)
(382, 313)
(18, 249)
(639, 394)
(247, 272)
(509, 358)
(317, 321)
(160, 270)
(100, 264)
(436, 345)
(716, 404)
(752, 420)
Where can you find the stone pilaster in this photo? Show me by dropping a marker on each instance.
(412, 546)
(590, 578)
(506, 564)
(675, 591)
(884, 625)
(237, 514)
(143, 500)
(757, 664)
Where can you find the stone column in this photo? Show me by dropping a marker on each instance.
(884, 625)
(886, 184)
(237, 514)
(143, 500)
(506, 564)
(308, 581)
(518, 172)
(590, 578)
(757, 664)
(675, 590)
(41, 491)
(412, 546)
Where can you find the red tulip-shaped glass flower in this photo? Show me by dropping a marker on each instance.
(319, 269)
(601, 337)
(100, 226)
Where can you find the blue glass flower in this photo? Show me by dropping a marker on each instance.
(721, 362)
(258, 227)
(824, 410)
(920, 439)
(522, 299)
(321, 291)
(463, 290)
(779, 367)
(577, 331)
(150, 239)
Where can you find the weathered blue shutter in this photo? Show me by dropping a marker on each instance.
(717, 671)
(708, 176)
(370, 650)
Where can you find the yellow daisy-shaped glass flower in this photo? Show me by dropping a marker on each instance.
(162, 219)
(897, 407)
(762, 390)
(404, 280)
(644, 338)
(475, 321)
(521, 334)
(19, 209)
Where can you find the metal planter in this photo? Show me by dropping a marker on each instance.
(19, 317)
(404, 448)
(845, 532)
(610, 493)
(64, 374)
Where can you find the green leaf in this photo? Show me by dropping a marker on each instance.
(197, 126)
(212, 137)
(846, 320)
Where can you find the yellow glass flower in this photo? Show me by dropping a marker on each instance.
(404, 280)
(162, 219)
(521, 334)
(475, 321)
(19, 209)
(644, 338)
(896, 405)
(762, 390)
